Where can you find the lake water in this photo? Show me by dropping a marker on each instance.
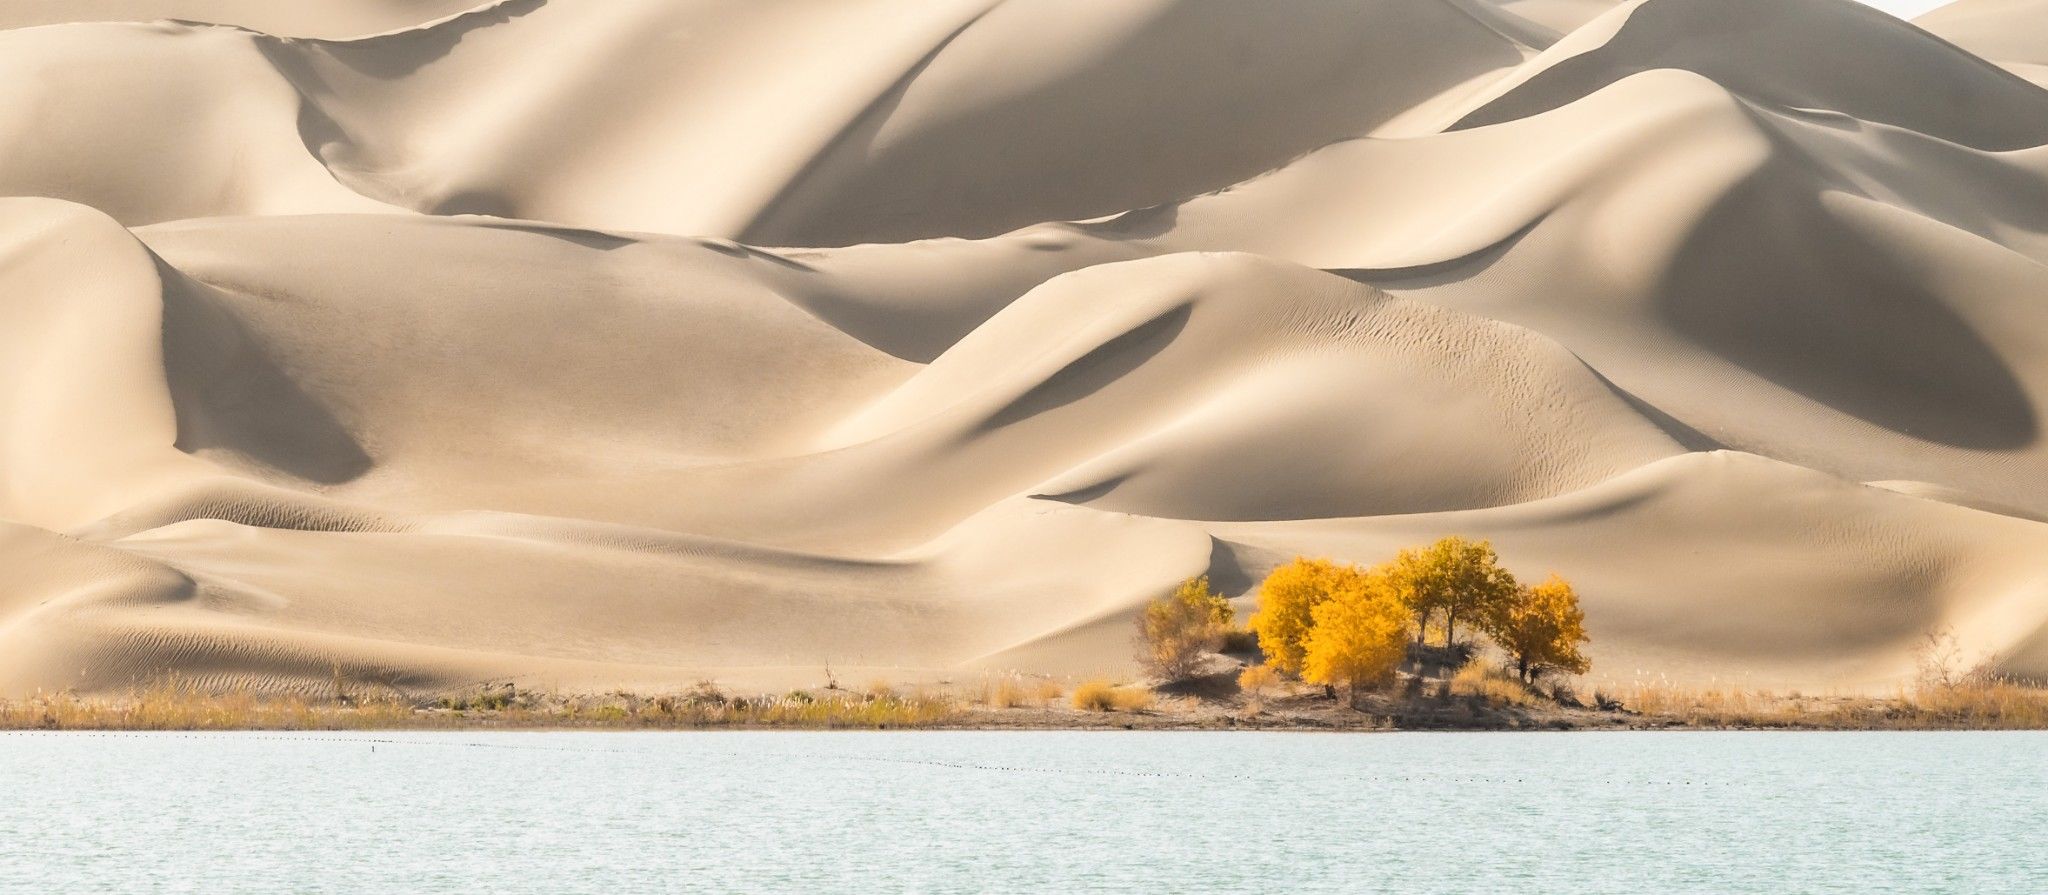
(620, 813)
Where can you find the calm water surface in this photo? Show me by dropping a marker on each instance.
(620, 813)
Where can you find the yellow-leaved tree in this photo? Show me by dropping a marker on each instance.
(1455, 579)
(1286, 600)
(1541, 630)
(1176, 632)
(1358, 636)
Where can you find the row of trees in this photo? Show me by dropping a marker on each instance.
(1342, 625)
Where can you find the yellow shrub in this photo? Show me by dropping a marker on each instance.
(1177, 632)
(1046, 691)
(1103, 696)
(1486, 681)
(1257, 679)
(1006, 692)
(1095, 696)
(1132, 699)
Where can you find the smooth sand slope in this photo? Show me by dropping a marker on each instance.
(636, 342)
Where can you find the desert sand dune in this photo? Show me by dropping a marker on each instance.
(327, 18)
(2003, 31)
(631, 343)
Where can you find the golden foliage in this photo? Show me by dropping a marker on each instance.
(1451, 580)
(1132, 699)
(1541, 629)
(1095, 696)
(1488, 682)
(1287, 601)
(1178, 631)
(1357, 636)
(1102, 696)
(1257, 679)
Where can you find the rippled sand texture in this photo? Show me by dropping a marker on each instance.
(632, 342)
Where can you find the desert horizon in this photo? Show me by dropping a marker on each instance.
(635, 344)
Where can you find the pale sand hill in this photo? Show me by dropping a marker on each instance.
(2003, 31)
(324, 18)
(448, 354)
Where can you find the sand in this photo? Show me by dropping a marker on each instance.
(633, 343)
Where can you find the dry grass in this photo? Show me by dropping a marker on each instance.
(1046, 692)
(1095, 696)
(172, 707)
(1971, 705)
(1102, 696)
(1974, 704)
(1013, 691)
(1006, 692)
(1132, 699)
(1489, 682)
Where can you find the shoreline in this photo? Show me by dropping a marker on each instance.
(1998, 707)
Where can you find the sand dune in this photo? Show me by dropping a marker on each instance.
(630, 343)
(328, 18)
(2003, 31)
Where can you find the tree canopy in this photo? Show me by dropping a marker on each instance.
(1287, 601)
(1454, 579)
(1541, 630)
(1358, 636)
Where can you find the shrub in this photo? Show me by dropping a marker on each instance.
(1003, 693)
(1132, 699)
(1046, 691)
(1095, 696)
(1257, 679)
(1103, 696)
(1491, 683)
(1357, 637)
(1940, 662)
(1176, 632)
(706, 692)
(1541, 629)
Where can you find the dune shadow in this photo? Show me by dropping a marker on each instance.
(1877, 68)
(396, 55)
(1227, 573)
(589, 239)
(1687, 437)
(1773, 283)
(230, 395)
(1094, 371)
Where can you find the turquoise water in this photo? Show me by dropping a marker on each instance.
(620, 813)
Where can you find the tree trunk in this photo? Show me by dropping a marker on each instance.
(1450, 629)
(1522, 668)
